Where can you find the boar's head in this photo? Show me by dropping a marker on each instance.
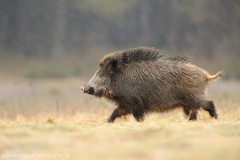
(111, 67)
(101, 83)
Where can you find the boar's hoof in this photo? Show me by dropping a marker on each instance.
(110, 120)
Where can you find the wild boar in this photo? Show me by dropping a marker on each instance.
(142, 80)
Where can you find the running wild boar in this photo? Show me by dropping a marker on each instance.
(142, 80)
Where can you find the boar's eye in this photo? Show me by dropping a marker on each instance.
(113, 67)
(117, 66)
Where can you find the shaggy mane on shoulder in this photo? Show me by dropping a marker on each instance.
(138, 54)
(148, 54)
(143, 54)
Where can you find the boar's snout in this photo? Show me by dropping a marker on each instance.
(87, 89)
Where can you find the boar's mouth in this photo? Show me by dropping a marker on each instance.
(89, 90)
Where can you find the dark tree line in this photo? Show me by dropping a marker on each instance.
(52, 28)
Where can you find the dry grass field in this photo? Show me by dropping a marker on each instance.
(54, 117)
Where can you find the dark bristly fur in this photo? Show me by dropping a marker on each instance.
(141, 80)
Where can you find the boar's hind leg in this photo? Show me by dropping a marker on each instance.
(118, 112)
(190, 107)
(209, 106)
(186, 111)
(193, 115)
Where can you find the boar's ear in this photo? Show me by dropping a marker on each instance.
(116, 66)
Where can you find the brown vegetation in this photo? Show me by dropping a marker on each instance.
(79, 127)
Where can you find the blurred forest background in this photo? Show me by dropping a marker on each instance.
(62, 38)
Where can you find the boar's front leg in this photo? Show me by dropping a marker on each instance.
(118, 112)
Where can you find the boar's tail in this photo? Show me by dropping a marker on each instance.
(214, 77)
